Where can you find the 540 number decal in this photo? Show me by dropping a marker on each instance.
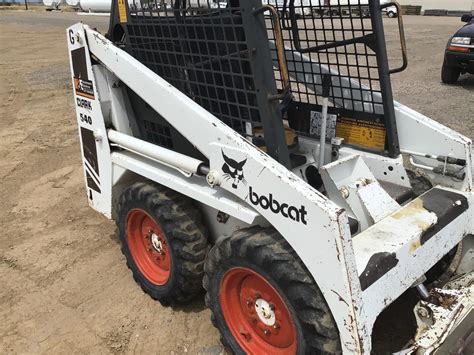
(86, 118)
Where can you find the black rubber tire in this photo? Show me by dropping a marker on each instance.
(441, 272)
(266, 252)
(449, 75)
(185, 234)
(419, 183)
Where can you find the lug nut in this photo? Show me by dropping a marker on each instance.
(257, 295)
(266, 332)
(276, 326)
(249, 302)
(246, 335)
(272, 306)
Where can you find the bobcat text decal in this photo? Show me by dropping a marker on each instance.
(287, 211)
(233, 169)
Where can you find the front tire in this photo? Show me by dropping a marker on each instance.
(449, 75)
(163, 242)
(262, 298)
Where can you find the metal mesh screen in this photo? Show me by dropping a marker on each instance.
(201, 49)
(158, 133)
(330, 37)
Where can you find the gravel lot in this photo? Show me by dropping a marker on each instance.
(65, 287)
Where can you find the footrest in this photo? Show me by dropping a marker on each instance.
(446, 205)
(396, 251)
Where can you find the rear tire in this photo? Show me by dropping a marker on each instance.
(262, 298)
(163, 241)
(419, 183)
(449, 75)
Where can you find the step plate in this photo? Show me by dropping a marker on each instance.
(447, 205)
(376, 248)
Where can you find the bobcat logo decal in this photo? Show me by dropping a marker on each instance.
(233, 170)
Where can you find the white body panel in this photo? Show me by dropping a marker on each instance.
(315, 227)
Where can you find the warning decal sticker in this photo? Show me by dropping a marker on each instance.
(122, 11)
(91, 164)
(366, 134)
(315, 124)
(84, 88)
(82, 85)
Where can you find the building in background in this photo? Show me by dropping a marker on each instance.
(450, 5)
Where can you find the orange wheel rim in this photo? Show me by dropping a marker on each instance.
(148, 247)
(256, 314)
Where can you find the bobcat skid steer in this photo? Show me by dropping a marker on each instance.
(259, 154)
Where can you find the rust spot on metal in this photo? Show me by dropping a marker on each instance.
(443, 299)
(340, 211)
(338, 252)
(414, 245)
(412, 209)
(340, 298)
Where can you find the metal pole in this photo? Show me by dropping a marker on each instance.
(384, 78)
(154, 152)
(26, 4)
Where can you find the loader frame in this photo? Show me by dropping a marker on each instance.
(315, 227)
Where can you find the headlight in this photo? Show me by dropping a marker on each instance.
(461, 40)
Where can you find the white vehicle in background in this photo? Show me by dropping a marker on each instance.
(302, 7)
(100, 6)
(72, 3)
(362, 6)
(95, 5)
(332, 7)
(391, 11)
(51, 4)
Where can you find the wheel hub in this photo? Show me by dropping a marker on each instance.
(256, 314)
(148, 247)
(265, 312)
(156, 243)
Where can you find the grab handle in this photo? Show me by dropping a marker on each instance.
(402, 37)
(279, 45)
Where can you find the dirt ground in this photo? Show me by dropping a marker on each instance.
(64, 285)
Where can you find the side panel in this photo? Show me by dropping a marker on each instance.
(92, 133)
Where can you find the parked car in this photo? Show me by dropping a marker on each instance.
(391, 11)
(459, 53)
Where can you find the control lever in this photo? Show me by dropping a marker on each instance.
(326, 89)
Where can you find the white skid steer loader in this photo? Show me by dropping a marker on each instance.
(259, 154)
